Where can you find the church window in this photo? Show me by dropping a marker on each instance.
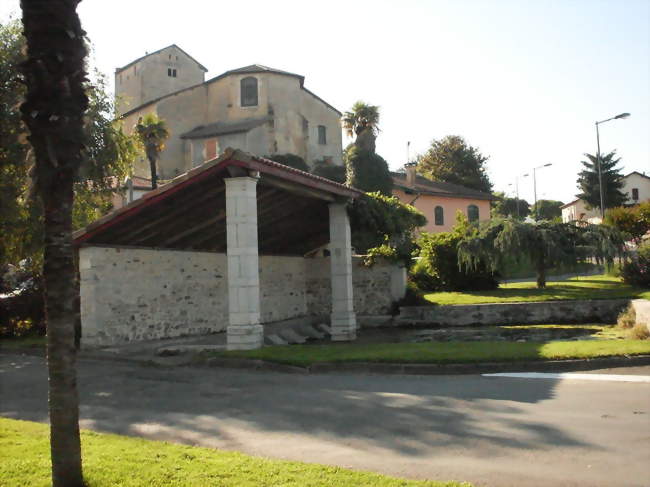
(248, 88)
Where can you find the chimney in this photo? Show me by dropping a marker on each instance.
(410, 173)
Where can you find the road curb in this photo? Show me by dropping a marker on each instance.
(431, 369)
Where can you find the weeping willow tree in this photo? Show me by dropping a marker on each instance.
(545, 244)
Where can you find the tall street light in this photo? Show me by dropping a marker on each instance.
(535, 185)
(600, 172)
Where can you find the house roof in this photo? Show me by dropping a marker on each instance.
(189, 212)
(570, 203)
(435, 188)
(253, 68)
(224, 128)
(119, 70)
(638, 174)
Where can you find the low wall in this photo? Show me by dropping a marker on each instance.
(642, 311)
(132, 294)
(586, 311)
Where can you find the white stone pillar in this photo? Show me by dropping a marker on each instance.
(343, 319)
(244, 329)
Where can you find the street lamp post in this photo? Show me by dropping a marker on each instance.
(535, 185)
(517, 191)
(600, 172)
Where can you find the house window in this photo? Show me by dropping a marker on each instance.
(322, 134)
(472, 213)
(171, 72)
(248, 92)
(439, 215)
(635, 194)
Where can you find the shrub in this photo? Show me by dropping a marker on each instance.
(438, 270)
(627, 318)
(637, 270)
(21, 304)
(367, 171)
(384, 226)
(329, 171)
(640, 332)
(290, 160)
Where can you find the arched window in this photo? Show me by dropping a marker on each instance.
(248, 92)
(472, 213)
(439, 215)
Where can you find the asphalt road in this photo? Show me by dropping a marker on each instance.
(497, 432)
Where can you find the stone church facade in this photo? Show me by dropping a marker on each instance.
(257, 109)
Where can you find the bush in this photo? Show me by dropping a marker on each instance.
(367, 171)
(437, 268)
(637, 270)
(627, 318)
(21, 304)
(329, 171)
(640, 332)
(290, 160)
(384, 226)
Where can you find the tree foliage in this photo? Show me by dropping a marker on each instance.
(637, 270)
(153, 134)
(547, 209)
(290, 160)
(106, 161)
(437, 267)
(367, 171)
(452, 160)
(330, 171)
(546, 244)
(634, 221)
(613, 181)
(362, 117)
(505, 207)
(383, 221)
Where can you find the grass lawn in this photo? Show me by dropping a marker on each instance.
(111, 460)
(27, 341)
(591, 287)
(444, 352)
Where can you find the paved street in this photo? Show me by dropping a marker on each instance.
(492, 431)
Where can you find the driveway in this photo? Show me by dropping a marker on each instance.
(491, 431)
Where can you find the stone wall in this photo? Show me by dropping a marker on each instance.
(586, 311)
(132, 294)
(642, 311)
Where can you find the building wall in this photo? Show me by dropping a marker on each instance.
(427, 204)
(578, 211)
(641, 183)
(130, 294)
(279, 96)
(148, 78)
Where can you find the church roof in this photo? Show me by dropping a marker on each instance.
(224, 128)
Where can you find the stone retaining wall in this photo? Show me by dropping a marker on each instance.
(132, 294)
(586, 311)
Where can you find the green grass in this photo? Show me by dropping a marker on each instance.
(111, 460)
(444, 352)
(592, 287)
(27, 341)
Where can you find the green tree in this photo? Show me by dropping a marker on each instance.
(589, 185)
(505, 207)
(365, 169)
(326, 169)
(547, 209)
(384, 221)
(153, 133)
(107, 160)
(546, 244)
(452, 160)
(633, 221)
(290, 160)
(53, 111)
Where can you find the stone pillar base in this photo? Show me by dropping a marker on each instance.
(344, 327)
(245, 337)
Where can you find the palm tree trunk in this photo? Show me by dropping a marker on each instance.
(154, 176)
(53, 111)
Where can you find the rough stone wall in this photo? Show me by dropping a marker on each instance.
(375, 288)
(586, 311)
(130, 294)
(139, 294)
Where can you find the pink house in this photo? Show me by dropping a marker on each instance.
(440, 201)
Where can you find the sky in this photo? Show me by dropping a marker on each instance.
(523, 81)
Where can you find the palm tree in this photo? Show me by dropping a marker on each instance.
(153, 133)
(362, 117)
(53, 111)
